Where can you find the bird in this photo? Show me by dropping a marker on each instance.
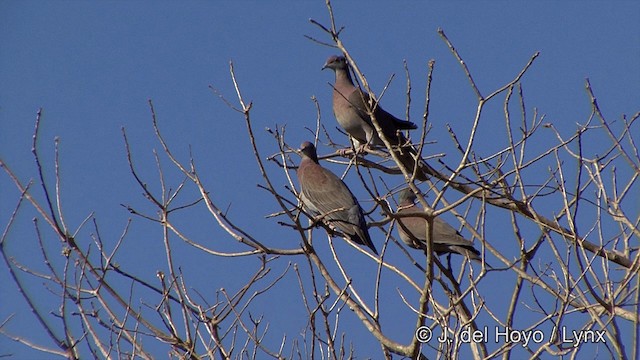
(446, 239)
(325, 194)
(350, 109)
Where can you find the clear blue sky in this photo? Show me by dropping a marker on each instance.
(93, 66)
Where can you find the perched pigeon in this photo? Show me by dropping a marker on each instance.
(350, 109)
(445, 238)
(325, 194)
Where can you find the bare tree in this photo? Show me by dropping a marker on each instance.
(580, 301)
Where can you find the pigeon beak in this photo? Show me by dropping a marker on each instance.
(324, 66)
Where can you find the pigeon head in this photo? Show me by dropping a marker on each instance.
(308, 150)
(335, 62)
(406, 197)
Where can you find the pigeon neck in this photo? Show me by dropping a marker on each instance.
(311, 157)
(405, 205)
(343, 75)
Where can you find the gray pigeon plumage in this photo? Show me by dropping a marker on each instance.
(323, 193)
(350, 109)
(446, 239)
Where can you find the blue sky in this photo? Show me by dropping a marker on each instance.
(93, 66)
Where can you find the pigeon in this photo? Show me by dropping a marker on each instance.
(350, 109)
(446, 239)
(325, 194)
